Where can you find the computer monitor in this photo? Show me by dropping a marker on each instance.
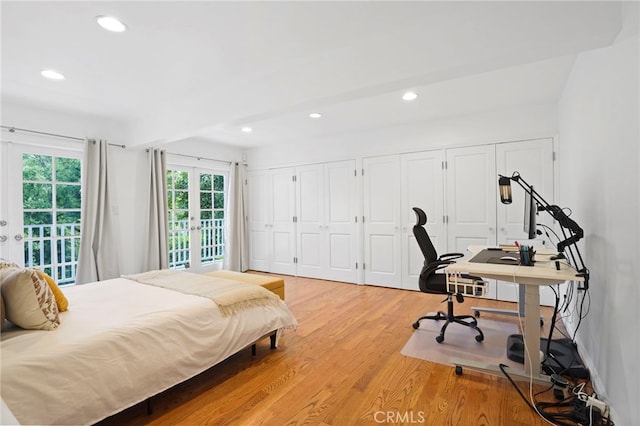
(530, 213)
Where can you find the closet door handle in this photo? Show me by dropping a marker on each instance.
(3, 238)
(18, 237)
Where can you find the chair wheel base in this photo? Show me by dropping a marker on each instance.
(458, 370)
(479, 338)
(440, 339)
(416, 325)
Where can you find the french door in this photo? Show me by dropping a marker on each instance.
(40, 205)
(196, 212)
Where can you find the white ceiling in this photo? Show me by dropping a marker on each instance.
(206, 69)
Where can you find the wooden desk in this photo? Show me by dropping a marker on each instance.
(543, 273)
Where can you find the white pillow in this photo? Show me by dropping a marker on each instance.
(29, 302)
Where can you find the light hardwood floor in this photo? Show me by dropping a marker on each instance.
(342, 366)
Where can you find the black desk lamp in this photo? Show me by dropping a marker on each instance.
(571, 231)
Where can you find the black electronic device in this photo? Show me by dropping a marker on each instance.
(530, 215)
(561, 358)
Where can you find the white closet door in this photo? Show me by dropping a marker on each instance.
(259, 220)
(381, 227)
(472, 187)
(421, 186)
(340, 221)
(534, 161)
(271, 220)
(327, 246)
(283, 227)
(310, 220)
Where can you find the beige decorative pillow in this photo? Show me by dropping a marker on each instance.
(5, 265)
(6, 268)
(29, 301)
(2, 315)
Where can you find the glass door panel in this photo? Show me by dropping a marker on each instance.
(211, 217)
(196, 201)
(51, 202)
(179, 219)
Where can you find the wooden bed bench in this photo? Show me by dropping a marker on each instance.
(274, 284)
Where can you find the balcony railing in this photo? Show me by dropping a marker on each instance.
(56, 253)
(211, 242)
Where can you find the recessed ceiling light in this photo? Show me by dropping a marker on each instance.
(247, 129)
(52, 74)
(110, 23)
(409, 96)
(315, 115)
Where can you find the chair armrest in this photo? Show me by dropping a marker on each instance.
(450, 256)
(436, 266)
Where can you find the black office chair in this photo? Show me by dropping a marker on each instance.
(436, 283)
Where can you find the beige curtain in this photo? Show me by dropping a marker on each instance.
(98, 254)
(157, 249)
(236, 253)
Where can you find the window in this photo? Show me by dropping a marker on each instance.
(212, 217)
(196, 205)
(51, 198)
(179, 219)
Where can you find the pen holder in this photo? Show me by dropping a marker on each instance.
(527, 255)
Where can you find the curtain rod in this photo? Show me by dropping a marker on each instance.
(12, 129)
(199, 158)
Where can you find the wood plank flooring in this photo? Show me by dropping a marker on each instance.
(342, 367)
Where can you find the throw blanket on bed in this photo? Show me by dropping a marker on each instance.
(231, 296)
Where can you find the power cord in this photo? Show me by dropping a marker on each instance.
(577, 408)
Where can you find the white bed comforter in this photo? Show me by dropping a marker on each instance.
(119, 343)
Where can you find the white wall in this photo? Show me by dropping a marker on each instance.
(599, 158)
(206, 149)
(526, 122)
(58, 122)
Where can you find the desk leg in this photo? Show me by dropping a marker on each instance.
(531, 341)
(532, 330)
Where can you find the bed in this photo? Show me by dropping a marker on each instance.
(120, 342)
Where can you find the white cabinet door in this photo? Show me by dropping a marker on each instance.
(259, 220)
(421, 186)
(310, 220)
(381, 221)
(533, 159)
(271, 221)
(283, 227)
(471, 199)
(327, 246)
(340, 221)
